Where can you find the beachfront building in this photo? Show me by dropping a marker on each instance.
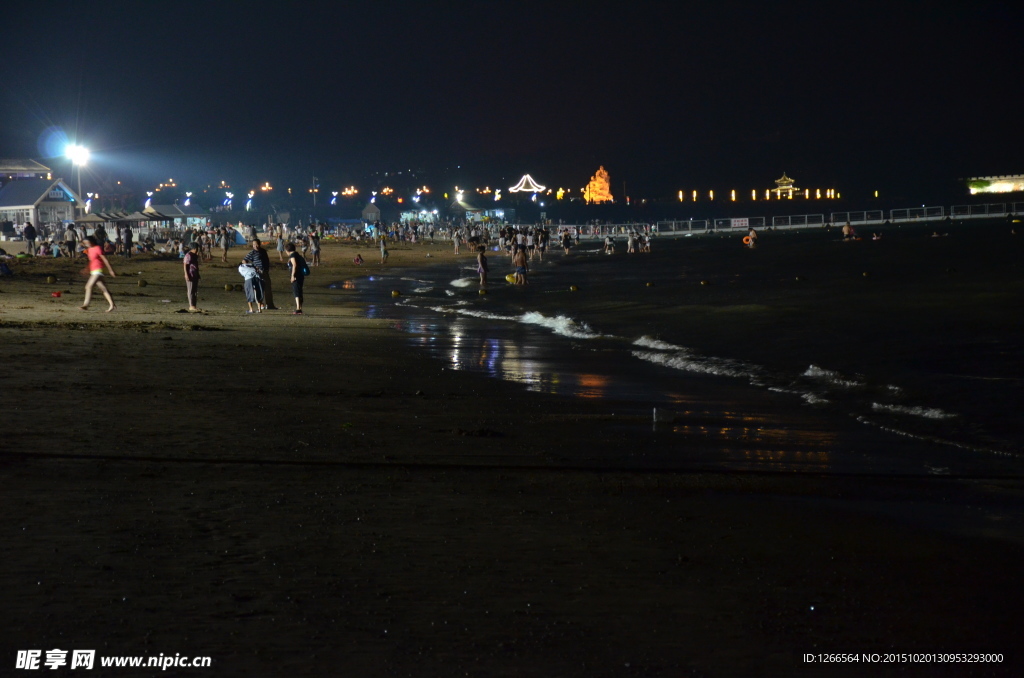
(13, 169)
(175, 217)
(371, 213)
(39, 201)
(784, 186)
(460, 209)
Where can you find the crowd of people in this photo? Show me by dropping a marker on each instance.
(300, 248)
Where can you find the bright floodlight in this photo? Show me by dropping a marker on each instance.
(77, 154)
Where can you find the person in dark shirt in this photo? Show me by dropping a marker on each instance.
(30, 238)
(297, 266)
(261, 264)
(191, 264)
(264, 270)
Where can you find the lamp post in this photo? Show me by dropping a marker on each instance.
(79, 155)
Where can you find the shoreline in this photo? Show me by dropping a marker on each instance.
(310, 495)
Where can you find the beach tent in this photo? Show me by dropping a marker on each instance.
(239, 238)
(91, 218)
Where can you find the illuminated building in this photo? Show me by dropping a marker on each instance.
(1006, 183)
(600, 187)
(784, 185)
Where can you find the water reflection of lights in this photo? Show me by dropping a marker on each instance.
(592, 386)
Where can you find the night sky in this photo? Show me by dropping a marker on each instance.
(902, 96)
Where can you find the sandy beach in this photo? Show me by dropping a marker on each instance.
(303, 496)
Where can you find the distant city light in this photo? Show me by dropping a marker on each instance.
(695, 196)
(732, 195)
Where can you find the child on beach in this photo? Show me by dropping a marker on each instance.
(97, 260)
(481, 267)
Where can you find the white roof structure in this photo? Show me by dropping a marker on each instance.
(527, 184)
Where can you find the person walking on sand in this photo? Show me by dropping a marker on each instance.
(191, 264)
(383, 250)
(224, 244)
(314, 248)
(297, 266)
(97, 261)
(280, 244)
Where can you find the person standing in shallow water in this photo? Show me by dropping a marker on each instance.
(521, 265)
(481, 267)
(97, 261)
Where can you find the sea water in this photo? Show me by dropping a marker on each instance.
(897, 355)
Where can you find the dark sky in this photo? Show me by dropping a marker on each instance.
(664, 95)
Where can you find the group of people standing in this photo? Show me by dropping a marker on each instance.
(255, 269)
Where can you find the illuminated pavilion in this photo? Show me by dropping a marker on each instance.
(784, 185)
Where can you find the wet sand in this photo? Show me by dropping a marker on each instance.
(304, 496)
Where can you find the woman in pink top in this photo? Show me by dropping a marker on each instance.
(97, 261)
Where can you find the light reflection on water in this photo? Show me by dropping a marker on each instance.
(504, 359)
(718, 428)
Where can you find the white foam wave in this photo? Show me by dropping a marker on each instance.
(463, 282)
(563, 325)
(648, 342)
(813, 399)
(422, 290)
(485, 314)
(926, 412)
(701, 365)
(834, 378)
(932, 439)
(788, 391)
